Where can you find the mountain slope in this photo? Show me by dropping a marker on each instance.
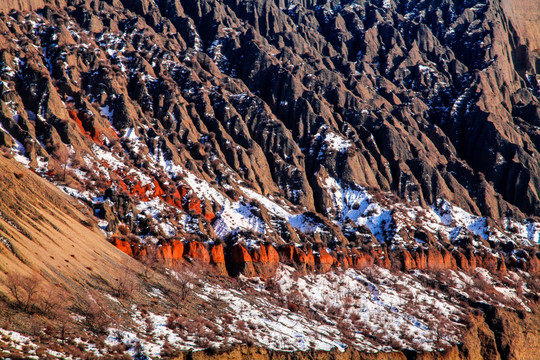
(389, 104)
(385, 151)
(44, 232)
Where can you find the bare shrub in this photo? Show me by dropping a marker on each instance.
(95, 313)
(168, 351)
(240, 324)
(125, 284)
(372, 275)
(25, 291)
(203, 342)
(292, 307)
(355, 317)
(348, 302)
(272, 286)
(53, 302)
(181, 287)
(244, 338)
(334, 310)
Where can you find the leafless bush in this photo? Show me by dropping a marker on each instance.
(53, 303)
(334, 310)
(272, 286)
(244, 338)
(371, 274)
(149, 327)
(95, 313)
(348, 302)
(168, 351)
(179, 322)
(25, 291)
(125, 284)
(203, 342)
(354, 317)
(240, 324)
(181, 287)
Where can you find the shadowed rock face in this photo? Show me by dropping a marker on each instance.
(145, 102)
(171, 117)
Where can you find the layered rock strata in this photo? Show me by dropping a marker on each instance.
(264, 259)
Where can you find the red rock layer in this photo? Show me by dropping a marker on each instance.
(264, 260)
(196, 250)
(217, 258)
(241, 261)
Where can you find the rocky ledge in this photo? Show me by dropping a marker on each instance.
(262, 260)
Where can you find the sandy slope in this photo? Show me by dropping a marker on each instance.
(44, 231)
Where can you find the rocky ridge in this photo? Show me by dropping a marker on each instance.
(258, 136)
(264, 260)
(167, 127)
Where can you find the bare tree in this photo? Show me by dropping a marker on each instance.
(125, 284)
(181, 285)
(95, 313)
(25, 290)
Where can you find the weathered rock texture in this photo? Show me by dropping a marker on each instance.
(400, 96)
(164, 115)
(264, 259)
(21, 5)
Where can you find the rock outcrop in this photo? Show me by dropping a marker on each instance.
(217, 258)
(241, 261)
(197, 251)
(263, 259)
(325, 134)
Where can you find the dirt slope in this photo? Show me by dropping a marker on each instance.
(526, 18)
(7, 5)
(44, 231)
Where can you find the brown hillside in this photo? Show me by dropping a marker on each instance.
(21, 5)
(526, 18)
(44, 231)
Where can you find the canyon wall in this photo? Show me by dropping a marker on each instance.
(526, 19)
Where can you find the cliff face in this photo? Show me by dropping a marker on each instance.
(21, 5)
(306, 104)
(336, 124)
